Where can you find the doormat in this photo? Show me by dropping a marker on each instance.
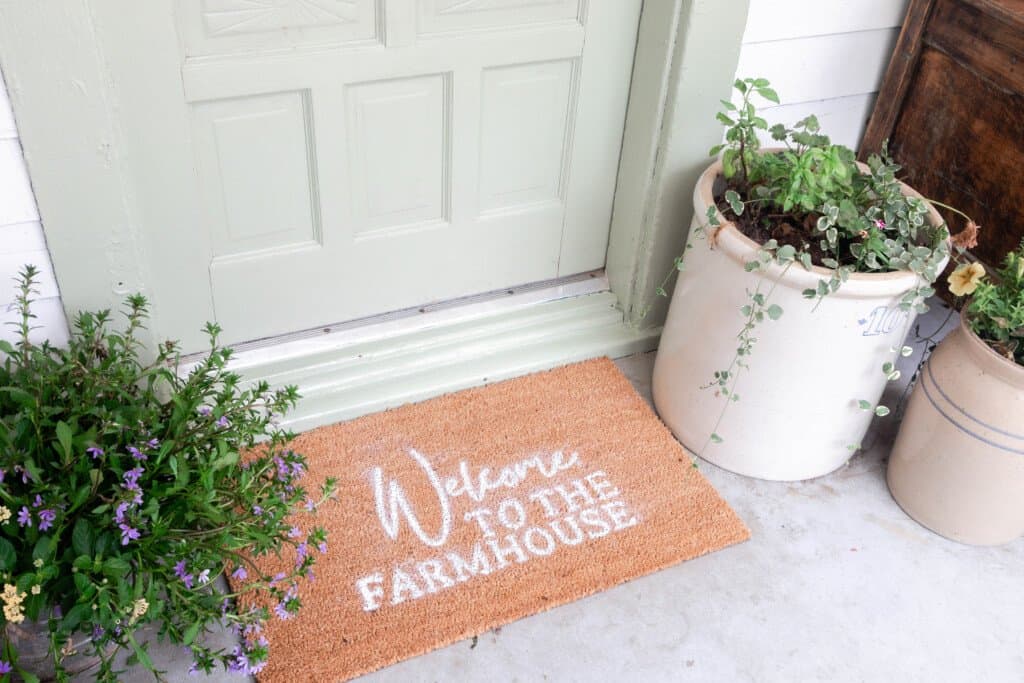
(471, 510)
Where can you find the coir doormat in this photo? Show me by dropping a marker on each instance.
(474, 509)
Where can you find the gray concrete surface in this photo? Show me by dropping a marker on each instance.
(836, 584)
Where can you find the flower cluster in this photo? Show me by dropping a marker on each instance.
(128, 487)
(14, 612)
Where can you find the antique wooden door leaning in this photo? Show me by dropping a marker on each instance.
(294, 163)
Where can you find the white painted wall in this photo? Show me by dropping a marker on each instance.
(21, 237)
(823, 57)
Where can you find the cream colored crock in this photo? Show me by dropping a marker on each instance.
(958, 463)
(798, 415)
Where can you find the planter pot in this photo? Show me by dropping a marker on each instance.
(957, 466)
(797, 416)
(32, 641)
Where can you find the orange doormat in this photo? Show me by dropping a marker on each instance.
(471, 510)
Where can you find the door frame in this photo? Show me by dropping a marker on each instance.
(54, 67)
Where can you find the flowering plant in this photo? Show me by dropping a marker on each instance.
(123, 496)
(996, 309)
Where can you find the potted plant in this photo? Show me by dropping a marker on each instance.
(127, 490)
(957, 466)
(819, 262)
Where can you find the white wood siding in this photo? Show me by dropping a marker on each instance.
(21, 237)
(823, 57)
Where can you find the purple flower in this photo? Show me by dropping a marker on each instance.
(238, 663)
(97, 632)
(204, 576)
(294, 532)
(310, 505)
(46, 518)
(277, 577)
(301, 551)
(128, 534)
(94, 451)
(205, 411)
(38, 501)
(3, 473)
(137, 454)
(24, 517)
(257, 510)
(153, 443)
(119, 512)
(322, 547)
(239, 574)
(282, 612)
(131, 478)
(880, 224)
(187, 580)
(179, 571)
(5, 667)
(223, 422)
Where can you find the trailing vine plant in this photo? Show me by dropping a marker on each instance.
(808, 203)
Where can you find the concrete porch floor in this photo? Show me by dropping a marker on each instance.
(835, 584)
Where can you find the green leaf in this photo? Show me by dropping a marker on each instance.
(140, 652)
(768, 94)
(41, 551)
(881, 411)
(7, 555)
(864, 405)
(785, 253)
(715, 438)
(81, 537)
(65, 437)
(191, 632)
(27, 677)
(115, 567)
(774, 311)
(907, 351)
(735, 203)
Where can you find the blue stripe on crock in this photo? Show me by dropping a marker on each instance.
(979, 437)
(938, 388)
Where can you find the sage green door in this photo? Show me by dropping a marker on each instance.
(294, 163)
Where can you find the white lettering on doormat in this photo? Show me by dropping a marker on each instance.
(568, 511)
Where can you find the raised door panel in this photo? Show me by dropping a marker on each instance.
(257, 173)
(442, 16)
(398, 149)
(526, 115)
(216, 27)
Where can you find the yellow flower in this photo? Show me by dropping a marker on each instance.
(5, 514)
(964, 280)
(36, 589)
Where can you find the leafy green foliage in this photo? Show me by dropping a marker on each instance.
(128, 487)
(996, 310)
(863, 221)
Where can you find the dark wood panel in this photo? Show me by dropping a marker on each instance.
(983, 42)
(962, 142)
(952, 108)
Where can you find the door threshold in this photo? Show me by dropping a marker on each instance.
(413, 318)
(374, 366)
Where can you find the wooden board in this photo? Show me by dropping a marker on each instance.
(952, 109)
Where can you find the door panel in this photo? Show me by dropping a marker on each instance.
(353, 157)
